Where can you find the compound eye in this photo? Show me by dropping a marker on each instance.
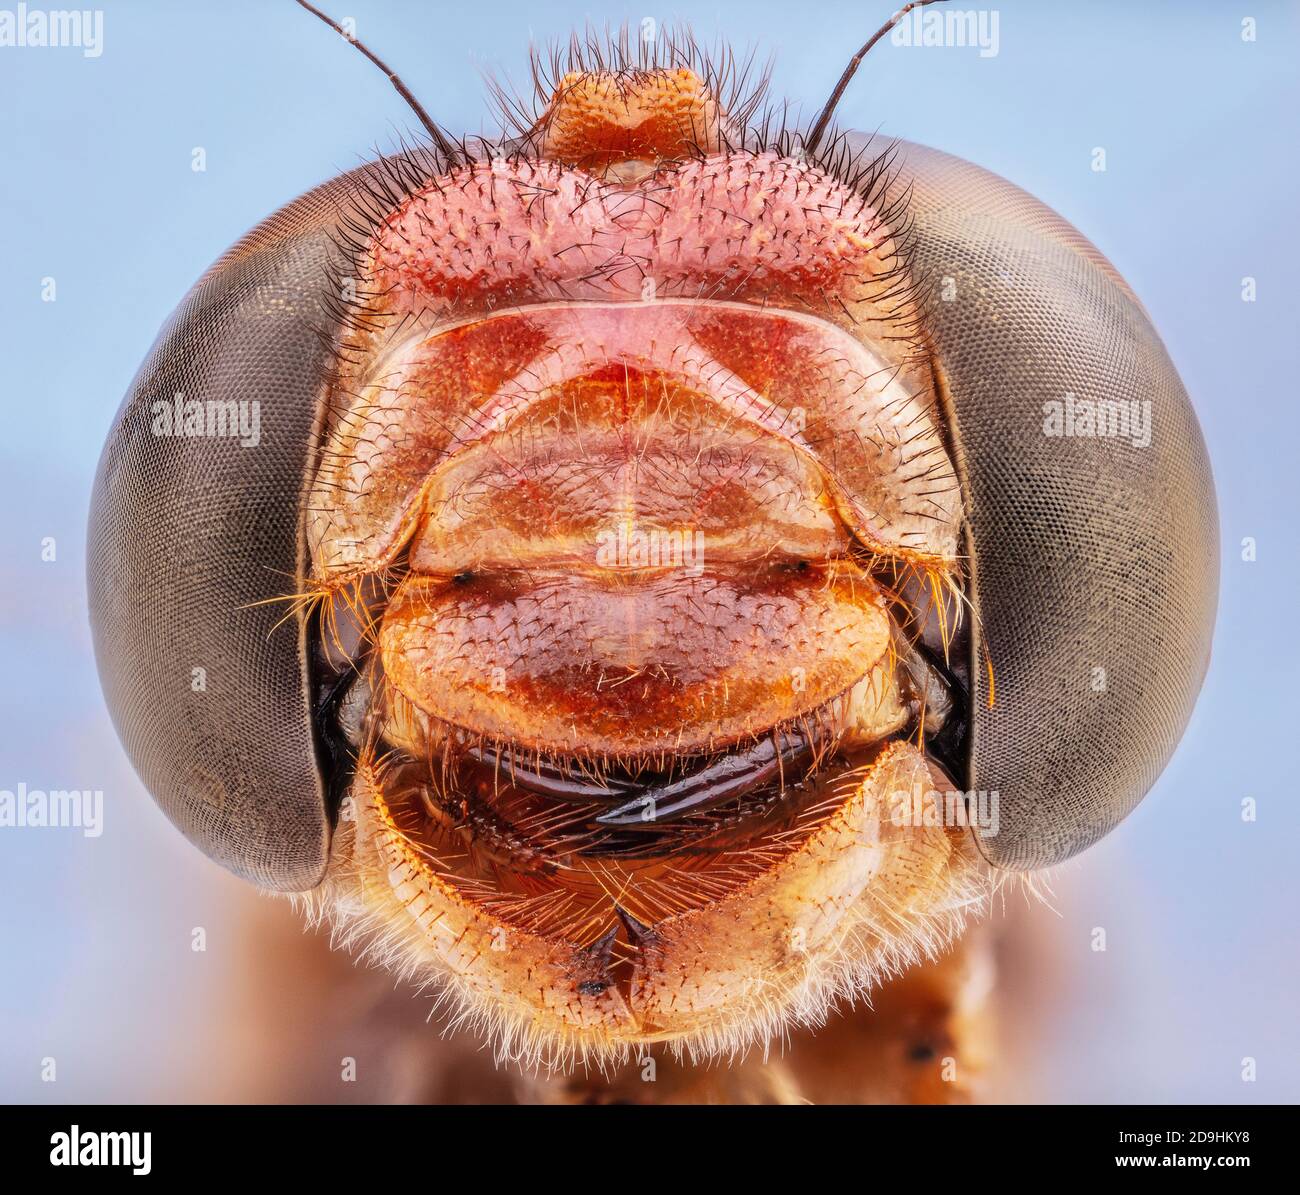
(1092, 525)
(195, 537)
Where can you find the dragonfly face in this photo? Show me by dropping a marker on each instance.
(695, 606)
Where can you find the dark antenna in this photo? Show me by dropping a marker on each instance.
(439, 137)
(824, 118)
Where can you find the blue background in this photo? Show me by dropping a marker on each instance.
(1200, 133)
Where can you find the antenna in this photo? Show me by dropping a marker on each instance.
(824, 118)
(440, 138)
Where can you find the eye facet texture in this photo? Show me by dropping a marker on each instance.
(188, 533)
(1095, 558)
